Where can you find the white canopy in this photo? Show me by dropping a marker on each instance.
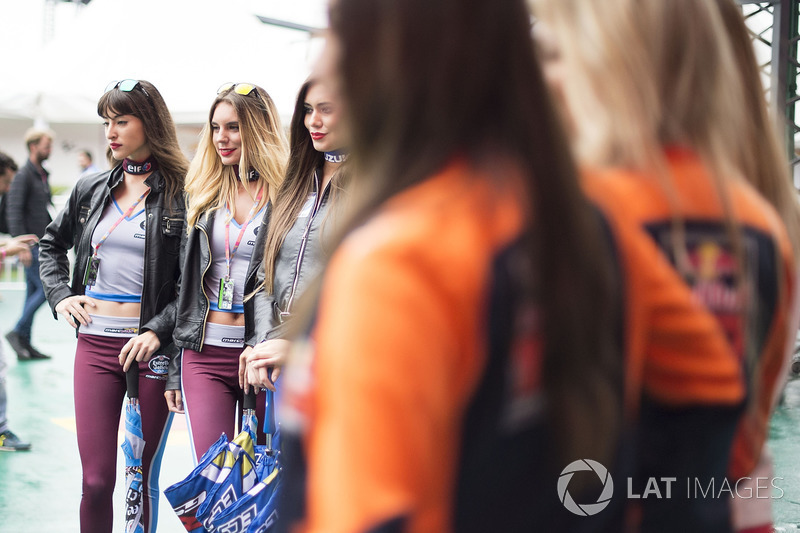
(186, 48)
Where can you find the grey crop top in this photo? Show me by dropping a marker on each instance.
(239, 262)
(121, 272)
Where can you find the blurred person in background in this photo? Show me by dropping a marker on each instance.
(660, 129)
(763, 163)
(20, 247)
(86, 164)
(469, 338)
(27, 212)
(125, 227)
(231, 189)
(304, 221)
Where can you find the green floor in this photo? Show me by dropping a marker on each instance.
(40, 489)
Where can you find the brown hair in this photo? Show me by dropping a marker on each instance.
(304, 160)
(145, 102)
(426, 81)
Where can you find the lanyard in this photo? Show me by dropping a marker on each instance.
(228, 252)
(125, 215)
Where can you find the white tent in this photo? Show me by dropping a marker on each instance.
(186, 48)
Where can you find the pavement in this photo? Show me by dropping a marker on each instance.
(40, 490)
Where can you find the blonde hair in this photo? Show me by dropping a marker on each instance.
(643, 75)
(759, 153)
(211, 185)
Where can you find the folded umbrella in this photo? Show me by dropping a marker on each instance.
(256, 509)
(133, 447)
(239, 473)
(187, 495)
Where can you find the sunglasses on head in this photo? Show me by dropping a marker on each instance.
(239, 88)
(125, 86)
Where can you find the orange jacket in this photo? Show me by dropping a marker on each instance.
(380, 391)
(757, 315)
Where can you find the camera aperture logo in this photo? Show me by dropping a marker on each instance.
(586, 509)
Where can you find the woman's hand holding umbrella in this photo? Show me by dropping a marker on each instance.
(139, 348)
(262, 364)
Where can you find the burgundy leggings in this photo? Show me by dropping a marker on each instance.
(212, 398)
(99, 397)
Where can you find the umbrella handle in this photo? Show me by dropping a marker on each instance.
(250, 399)
(269, 414)
(132, 380)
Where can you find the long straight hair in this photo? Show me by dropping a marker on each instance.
(429, 81)
(147, 104)
(210, 185)
(298, 184)
(759, 154)
(642, 75)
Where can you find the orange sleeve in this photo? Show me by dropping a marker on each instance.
(388, 377)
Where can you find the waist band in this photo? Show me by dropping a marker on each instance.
(224, 336)
(121, 298)
(111, 326)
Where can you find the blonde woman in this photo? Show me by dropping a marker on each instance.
(654, 100)
(232, 182)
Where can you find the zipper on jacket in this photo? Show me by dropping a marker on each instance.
(144, 270)
(303, 242)
(203, 288)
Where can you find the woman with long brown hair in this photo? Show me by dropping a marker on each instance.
(125, 227)
(301, 229)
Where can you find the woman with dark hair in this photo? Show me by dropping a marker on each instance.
(228, 213)
(301, 228)
(125, 227)
(480, 329)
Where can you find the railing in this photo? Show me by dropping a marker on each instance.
(13, 274)
(774, 27)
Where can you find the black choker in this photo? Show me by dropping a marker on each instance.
(253, 175)
(335, 156)
(145, 167)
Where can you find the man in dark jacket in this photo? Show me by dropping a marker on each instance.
(27, 212)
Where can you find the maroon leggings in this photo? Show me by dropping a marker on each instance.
(212, 398)
(99, 397)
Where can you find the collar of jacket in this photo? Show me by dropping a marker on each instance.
(155, 180)
(205, 220)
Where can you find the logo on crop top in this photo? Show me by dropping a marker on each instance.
(585, 509)
(121, 331)
(141, 225)
(255, 230)
(232, 340)
(159, 364)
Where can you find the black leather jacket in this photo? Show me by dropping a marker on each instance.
(192, 303)
(27, 202)
(74, 226)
